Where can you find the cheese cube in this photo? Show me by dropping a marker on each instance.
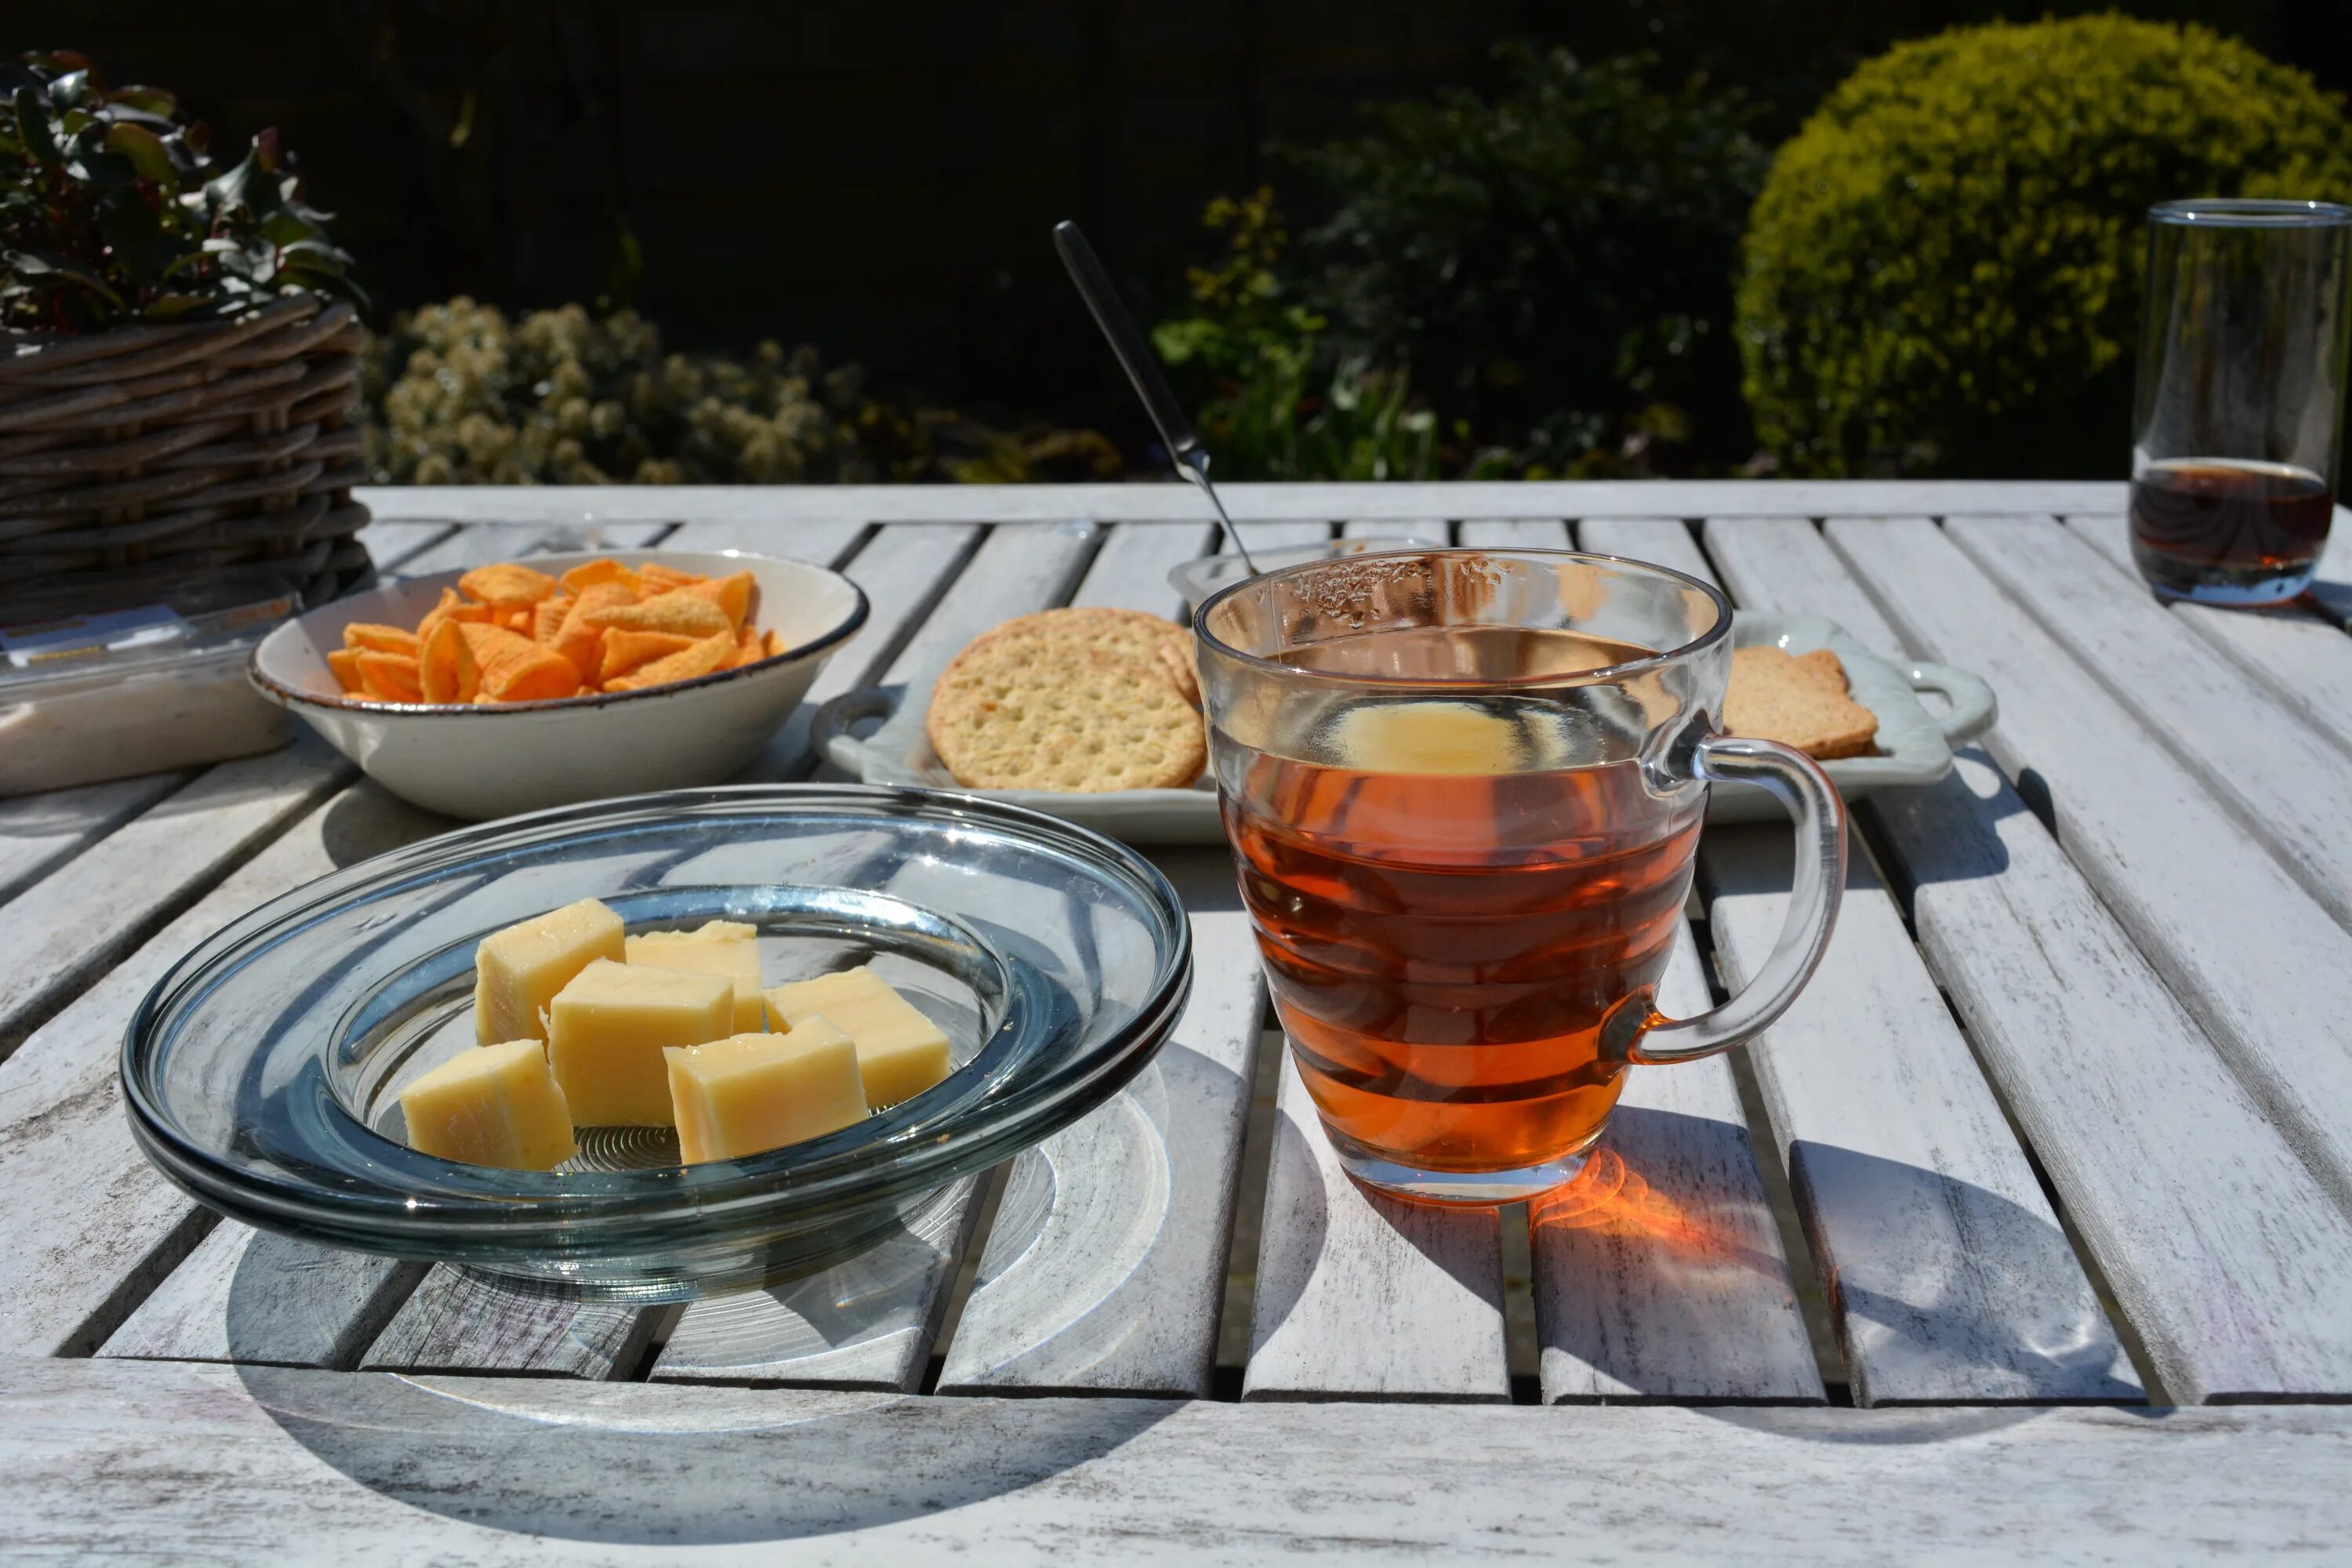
(494, 1105)
(750, 1092)
(518, 970)
(716, 947)
(900, 1053)
(609, 1026)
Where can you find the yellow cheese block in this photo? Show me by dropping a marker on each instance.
(610, 1025)
(494, 1105)
(518, 970)
(900, 1053)
(716, 947)
(750, 1092)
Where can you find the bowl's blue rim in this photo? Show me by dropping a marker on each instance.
(279, 691)
(445, 1225)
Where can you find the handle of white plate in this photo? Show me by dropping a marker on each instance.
(1974, 707)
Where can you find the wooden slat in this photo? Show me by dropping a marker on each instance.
(462, 1322)
(1664, 540)
(390, 544)
(64, 930)
(1368, 1298)
(88, 1225)
(793, 1333)
(2291, 788)
(38, 833)
(1949, 1278)
(1117, 1290)
(2221, 921)
(1530, 533)
(483, 543)
(824, 541)
(1175, 501)
(902, 570)
(247, 1296)
(1659, 1273)
(2073, 1025)
(866, 1324)
(1130, 572)
(1433, 527)
(2302, 658)
(155, 1462)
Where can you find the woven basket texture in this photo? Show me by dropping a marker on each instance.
(203, 465)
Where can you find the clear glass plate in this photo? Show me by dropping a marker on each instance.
(262, 1073)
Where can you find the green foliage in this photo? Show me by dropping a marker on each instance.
(111, 210)
(455, 395)
(1943, 273)
(1552, 262)
(1278, 407)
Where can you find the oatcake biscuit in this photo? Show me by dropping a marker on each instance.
(1018, 710)
(1800, 702)
(1175, 658)
(1097, 626)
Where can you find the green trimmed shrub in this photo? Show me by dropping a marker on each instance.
(1943, 273)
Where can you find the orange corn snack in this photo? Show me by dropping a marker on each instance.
(680, 610)
(626, 650)
(749, 650)
(700, 658)
(519, 621)
(547, 618)
(508, 585)
(660, 579)
(389, 676)
(732, 594)
(517, 670)
(580, 640)
(450, 608)
(378, 638)
(774, 641)
(346, 663)
(448, 672)
(588, 574)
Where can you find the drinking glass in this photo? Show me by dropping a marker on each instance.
(1462, 788)
(2241, 366)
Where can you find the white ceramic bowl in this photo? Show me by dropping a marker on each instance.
(497, 760)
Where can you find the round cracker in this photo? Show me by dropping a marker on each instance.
(1020, 710)
(1100, 627)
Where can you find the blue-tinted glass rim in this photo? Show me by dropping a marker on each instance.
(2248, 212)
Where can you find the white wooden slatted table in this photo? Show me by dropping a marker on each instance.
(2027, 1234)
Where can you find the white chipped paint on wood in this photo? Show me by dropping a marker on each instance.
(169, 1463)
(390, 544)
(62, 932)
(1432, 528)
(1659, 1274)
(89, 1224)
(1784, 565)
(249, 1296)
(1108, 1292)
(2303, 660)
(1362, 1297)
(2231, 1264)
(1665, 540)
(902, 571)
(460, 1320)
(821, 541)
(1949, 1278)
(2261, 965)
(485, 543)
(2291, 788)
(1130, 570)
(865, 1323)
(1175, 501)
(38, 833)
(1525, 533)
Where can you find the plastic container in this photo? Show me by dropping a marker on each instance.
(136, 691)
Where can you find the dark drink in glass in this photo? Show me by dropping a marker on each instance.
(2199, 518)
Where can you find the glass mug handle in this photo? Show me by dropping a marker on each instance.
(1819, 822)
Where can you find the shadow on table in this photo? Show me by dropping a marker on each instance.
(632, 1464)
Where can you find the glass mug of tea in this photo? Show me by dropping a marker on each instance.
(2245, 334)
(1463, 789)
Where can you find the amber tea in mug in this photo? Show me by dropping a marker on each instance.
(1462, 791)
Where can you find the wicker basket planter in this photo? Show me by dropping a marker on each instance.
(200, 466)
